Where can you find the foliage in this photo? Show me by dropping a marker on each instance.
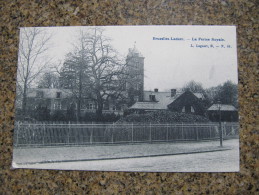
(58, 115)
(107, 117)
(194, 87)
(226, 93)
(49, 80)
(71, 113)
(163, 117)
(110, 117)
(93, 70)
(89, 117)
(42, 113)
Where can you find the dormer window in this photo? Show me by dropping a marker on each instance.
(58, 95)
(152, 98)
(39, 94)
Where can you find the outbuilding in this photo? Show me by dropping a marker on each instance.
(227, 112)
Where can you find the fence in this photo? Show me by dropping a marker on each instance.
(51, 134)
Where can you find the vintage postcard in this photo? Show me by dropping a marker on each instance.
(127, 98)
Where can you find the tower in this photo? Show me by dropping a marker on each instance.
(135, 74)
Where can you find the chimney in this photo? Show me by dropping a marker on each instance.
(173, 92)
(155, 90)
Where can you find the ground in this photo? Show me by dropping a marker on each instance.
(166, 157)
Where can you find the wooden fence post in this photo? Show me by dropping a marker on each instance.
(112, 131)
(197, 132)
(29, 136)
(17, 134)
(43, 137)
(132, 133)
(182, 132)
(68, 132)
(224, 129)
(167, 132)
(150, 133)
(91, 133)
(210, 131)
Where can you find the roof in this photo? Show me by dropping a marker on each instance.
(163, 99)
(49, 93)
(162, 96)
(134, 52)
(224, 107)
(199, 95)
(148, 106)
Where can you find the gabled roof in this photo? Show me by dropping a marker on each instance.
(223, 107)
(166, 96)
(199, 95)
(148, 106)
(163, 99)
(48, 93)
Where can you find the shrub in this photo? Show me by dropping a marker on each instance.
(89, 117)
(163, 117)
(58, 115)
(41, 113)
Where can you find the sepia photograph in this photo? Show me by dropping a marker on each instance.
(127, 98)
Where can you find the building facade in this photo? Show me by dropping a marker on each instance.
(174, 100)
(135, 76)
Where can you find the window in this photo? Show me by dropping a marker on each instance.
(90, 106)
(188, 109)
(58, 95)
(57, 105)
(152, 98)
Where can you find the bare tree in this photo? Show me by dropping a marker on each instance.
(96, 73)
(33, 45)
(105, 70)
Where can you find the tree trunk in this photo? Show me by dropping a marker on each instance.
(80, 93)
(24, 100)
(78, 115)
(99, 110)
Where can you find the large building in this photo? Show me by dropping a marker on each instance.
(174, 100)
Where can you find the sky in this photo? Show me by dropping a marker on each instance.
(173, 55)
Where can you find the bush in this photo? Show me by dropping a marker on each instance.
(110, 117)
(41, 113)
(89, 117)
(163, 117)
(107, 117)
(71, 113)
(58, 115)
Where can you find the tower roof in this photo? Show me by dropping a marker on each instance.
(134, 52)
